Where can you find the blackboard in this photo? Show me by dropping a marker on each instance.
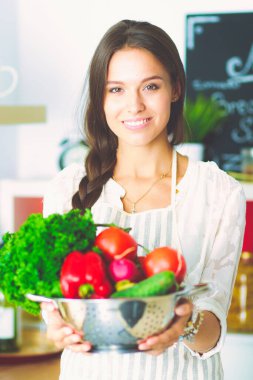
(219, 64)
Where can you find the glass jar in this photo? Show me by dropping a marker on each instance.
(9, 326)
(240, 316)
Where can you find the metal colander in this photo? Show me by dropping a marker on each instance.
(117, 324)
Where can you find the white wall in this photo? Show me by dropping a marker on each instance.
(56, 40)
(8, 56)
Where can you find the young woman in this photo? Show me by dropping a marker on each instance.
(135, 178)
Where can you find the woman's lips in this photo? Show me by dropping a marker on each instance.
(134, 124)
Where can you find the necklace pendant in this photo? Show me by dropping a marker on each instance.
(133, 211)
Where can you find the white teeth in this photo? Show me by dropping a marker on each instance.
(136, 123)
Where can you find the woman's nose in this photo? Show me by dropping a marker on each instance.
(135, 103)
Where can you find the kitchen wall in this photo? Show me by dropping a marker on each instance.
(8, 56)
(50, 43)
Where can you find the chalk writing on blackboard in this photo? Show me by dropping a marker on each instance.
(219, 64)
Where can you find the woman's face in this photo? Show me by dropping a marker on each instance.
(138, 96)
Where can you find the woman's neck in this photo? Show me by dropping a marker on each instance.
(143, 162)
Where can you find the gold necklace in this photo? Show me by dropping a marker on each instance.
(134, 203)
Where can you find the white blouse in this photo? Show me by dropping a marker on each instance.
(210, 218)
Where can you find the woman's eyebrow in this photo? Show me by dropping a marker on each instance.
(142, 81)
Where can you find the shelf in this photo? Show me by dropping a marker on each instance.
(22, 114)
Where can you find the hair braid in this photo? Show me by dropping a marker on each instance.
(99, 164)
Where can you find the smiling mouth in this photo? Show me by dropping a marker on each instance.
(134, 124)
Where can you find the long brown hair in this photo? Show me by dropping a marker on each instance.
(103, 143)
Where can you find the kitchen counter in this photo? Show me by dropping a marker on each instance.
(48, 369)
(37, 358)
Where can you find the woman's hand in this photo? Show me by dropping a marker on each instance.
(155, 345)
(62, 334)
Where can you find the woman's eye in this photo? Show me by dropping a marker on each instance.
(151, 86)
(115, 90)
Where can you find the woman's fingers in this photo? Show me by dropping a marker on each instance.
(62, 334)
(156, 344)
(51, 314)
(84, 347)
(159, 342)
(184, 310)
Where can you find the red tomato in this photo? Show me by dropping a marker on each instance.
(165, 258)
(114, 242)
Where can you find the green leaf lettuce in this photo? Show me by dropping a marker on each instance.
(31, 258)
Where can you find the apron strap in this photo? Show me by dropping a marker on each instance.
(175, 241)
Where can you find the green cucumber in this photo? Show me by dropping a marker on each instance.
(156, 285)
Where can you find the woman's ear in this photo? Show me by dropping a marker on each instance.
(176, 92)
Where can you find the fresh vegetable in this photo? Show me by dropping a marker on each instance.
(31, 258)
(158, 284)
(140, 265)
(102, 291)
(116, 243)
(84, 274)
(123, 284)
(165, 258)
(124, 269)
(61, 256)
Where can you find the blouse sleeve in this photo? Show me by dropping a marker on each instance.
(58, 197)
(221, 263)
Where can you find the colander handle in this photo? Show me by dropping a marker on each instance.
(36, 298)
(194, 290)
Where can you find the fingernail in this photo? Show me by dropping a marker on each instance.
(143, 347)
(50, 307)
(75, 339)
(67, 330)
(86, 347)
(181, 310)
(152, 341)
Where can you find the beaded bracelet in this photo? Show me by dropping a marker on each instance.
(192, 326)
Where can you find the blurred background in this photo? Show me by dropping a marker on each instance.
(45, 50)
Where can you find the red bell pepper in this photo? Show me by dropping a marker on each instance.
(83, 275)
